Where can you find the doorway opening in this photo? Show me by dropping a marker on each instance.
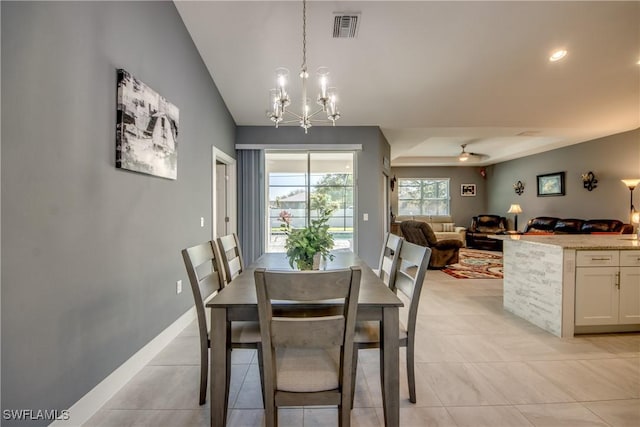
(224, 194)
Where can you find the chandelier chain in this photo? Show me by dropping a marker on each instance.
(304, 35)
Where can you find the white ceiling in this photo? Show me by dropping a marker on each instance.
(435, 75)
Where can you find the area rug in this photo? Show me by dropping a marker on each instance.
(476, 264)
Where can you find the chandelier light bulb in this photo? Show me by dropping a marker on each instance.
(282, 74)
(323, 75)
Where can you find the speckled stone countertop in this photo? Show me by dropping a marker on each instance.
(578, 241)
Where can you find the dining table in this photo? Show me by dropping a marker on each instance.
(238, 302)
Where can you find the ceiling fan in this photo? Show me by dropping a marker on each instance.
(466, 155)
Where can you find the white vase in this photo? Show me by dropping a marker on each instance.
(316, 261)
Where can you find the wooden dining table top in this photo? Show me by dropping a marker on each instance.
(241, 291)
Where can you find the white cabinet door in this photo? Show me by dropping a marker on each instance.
(629, 295)
(597, 296)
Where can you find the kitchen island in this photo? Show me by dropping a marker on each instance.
(572, 284)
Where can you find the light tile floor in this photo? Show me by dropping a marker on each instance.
(477, 365)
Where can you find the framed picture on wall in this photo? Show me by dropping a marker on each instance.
(467, 190)
(146, 129)
(551, 184)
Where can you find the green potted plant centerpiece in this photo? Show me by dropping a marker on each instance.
(304, 245)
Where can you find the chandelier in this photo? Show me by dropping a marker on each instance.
(279, 98)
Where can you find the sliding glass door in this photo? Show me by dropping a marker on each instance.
(298, 182)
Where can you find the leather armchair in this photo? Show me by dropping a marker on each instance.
(481, 227)
(443, 252)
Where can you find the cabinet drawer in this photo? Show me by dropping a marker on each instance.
(597, 258)
(630, 258)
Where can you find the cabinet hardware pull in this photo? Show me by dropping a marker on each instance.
(618, 279)
(601, 259)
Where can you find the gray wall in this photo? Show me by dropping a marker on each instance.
(90, 254)
(462, 208)
(370, 190)
(610, 159)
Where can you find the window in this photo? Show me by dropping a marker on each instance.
(297, 181)
(423, 196)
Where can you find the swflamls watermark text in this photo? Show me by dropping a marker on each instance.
(35, 414)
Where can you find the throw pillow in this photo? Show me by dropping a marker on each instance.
(448, 226)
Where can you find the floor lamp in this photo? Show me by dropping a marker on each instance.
(634, 215)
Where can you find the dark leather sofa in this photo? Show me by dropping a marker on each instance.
(481, 227)
(548, 224)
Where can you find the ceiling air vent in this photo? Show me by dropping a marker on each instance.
(345, 25)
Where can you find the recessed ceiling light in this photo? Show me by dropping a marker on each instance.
(558, 55)
(638, 62)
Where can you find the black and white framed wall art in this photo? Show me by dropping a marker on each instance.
(146, 129)
(468, 190)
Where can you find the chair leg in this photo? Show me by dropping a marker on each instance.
(411, 374)
(354, 371)
(270, 410)
(346, 399)
(344, 416)
(261, 369)
(204, 373)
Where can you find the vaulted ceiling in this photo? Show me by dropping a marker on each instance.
(436, 75)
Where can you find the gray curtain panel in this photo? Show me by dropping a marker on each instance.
(251, 203)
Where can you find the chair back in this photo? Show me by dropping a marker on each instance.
(602, 225)
(412, 269)
(541, 224)
(389, 259)
(324, 330)
(418, 232)
(203, 268)
(488, 224)
(230, 256)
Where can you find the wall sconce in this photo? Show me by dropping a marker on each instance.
(519, 188)
(589, 181)
(392, 182)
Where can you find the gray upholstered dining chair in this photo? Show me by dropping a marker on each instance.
(411, 272)
(230, 256)
(389, 259)
(203, 268)
(307, 355)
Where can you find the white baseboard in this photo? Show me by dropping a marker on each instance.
(91, 402)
